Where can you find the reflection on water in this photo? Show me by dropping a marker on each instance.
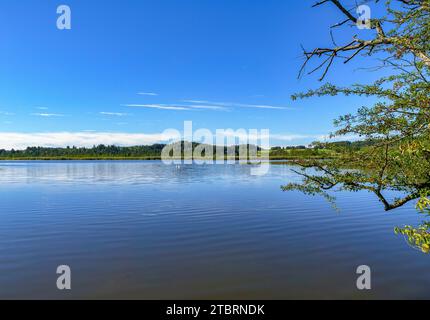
(145, 230)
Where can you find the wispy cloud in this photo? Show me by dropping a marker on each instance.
(153, 94)
(291, 137)
(117, 114)
(157, 106)
(89, 138)
(178, 107)
(327, 137)
(19, 141)
(207, 107)
(41, 108)
(5, 113)
(244, 134)
(276, 138)
(262, 107)
(235, 104)
(47, 115)
(193, 105)
(196, 101)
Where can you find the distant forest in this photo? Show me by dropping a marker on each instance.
(153, 152)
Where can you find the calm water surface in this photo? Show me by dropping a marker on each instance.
(145, 230)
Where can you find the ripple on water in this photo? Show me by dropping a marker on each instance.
(147, 230)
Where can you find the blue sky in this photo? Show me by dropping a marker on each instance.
(140, 67)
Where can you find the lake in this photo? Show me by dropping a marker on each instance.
(146, 230)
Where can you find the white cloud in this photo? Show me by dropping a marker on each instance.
(314, 137)
(88, 138)
(292, 137)
(243, 134)
(234, 104)
(196, 101)
(203, 105)
(14, 140)
(47, 115)
(158, 106)
(276, 137)
(5, 113)
(327, 138)
(178, 107)
(206, 107)
(118, 114)
(148, 94)
(262, 107)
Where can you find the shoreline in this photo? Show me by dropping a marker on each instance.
(151, 159)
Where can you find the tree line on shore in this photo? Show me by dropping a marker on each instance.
(316, 150)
